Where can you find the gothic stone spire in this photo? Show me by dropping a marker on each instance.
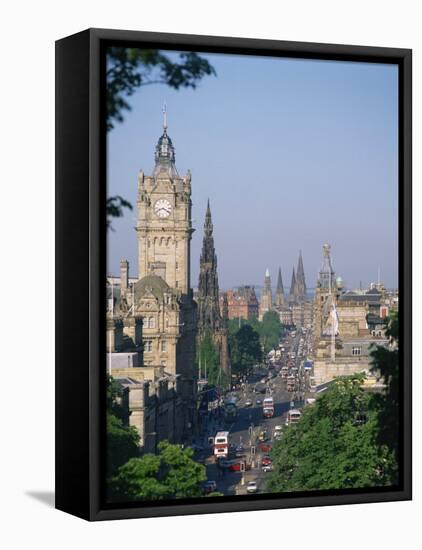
(209, 316)
(300, 279)
(292, 292)
(279, 295)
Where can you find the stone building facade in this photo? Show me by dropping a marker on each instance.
(157, 311)
(154, 407)
(342, 338)
(266, 302)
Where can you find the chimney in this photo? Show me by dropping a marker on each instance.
(124, 275)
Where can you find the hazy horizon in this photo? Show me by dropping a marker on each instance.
(291, 153)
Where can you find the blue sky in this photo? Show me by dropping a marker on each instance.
(291, 153)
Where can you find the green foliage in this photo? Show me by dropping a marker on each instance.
(114, 400)
(270, 330)
(208, 359)
(330, 449)
(114, 208)
(385, 362)
(245, 349)
(122, 440)
(130, 68)
(122, 443)
(171, 474)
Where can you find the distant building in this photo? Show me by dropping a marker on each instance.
(346, 325)
(241, 302)
(286, 316)
(266, 303)
(297, 291)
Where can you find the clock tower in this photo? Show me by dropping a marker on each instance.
(164, 219)
(162, 296)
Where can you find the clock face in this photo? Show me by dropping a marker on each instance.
(162, 208)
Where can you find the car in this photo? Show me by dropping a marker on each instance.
(258, 402)
(248, 403)
(267, 468)
(264, 447)
(263, 436)
(209, 487)
(266, 460)
(252, 487)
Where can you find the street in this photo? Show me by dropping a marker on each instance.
(245, 429)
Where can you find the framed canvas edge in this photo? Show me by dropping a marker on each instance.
(403, 58)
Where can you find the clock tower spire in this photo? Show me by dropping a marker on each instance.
(164, 218)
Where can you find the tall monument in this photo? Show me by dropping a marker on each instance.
(325, 290)
(209, 316)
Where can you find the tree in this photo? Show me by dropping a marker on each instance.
(385, 362)
(245, 349)
(114, 208)
(128, 69)
(270, 330)
(208, 358)
(334, 445)
(170, 474)
(122, 440)
(122, 443)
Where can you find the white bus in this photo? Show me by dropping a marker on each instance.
(221, 444)
(294, 416)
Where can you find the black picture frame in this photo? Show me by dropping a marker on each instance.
(80, 269)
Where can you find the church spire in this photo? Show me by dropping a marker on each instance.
(279, 295)
(300, 279)
(292, 292)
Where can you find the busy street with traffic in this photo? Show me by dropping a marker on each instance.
(241, 427)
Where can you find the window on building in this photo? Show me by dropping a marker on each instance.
(163, 345)
(148, 346)
(151, 322)
(356, 350)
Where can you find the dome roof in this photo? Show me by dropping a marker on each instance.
(165, 157)
(151, 283)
